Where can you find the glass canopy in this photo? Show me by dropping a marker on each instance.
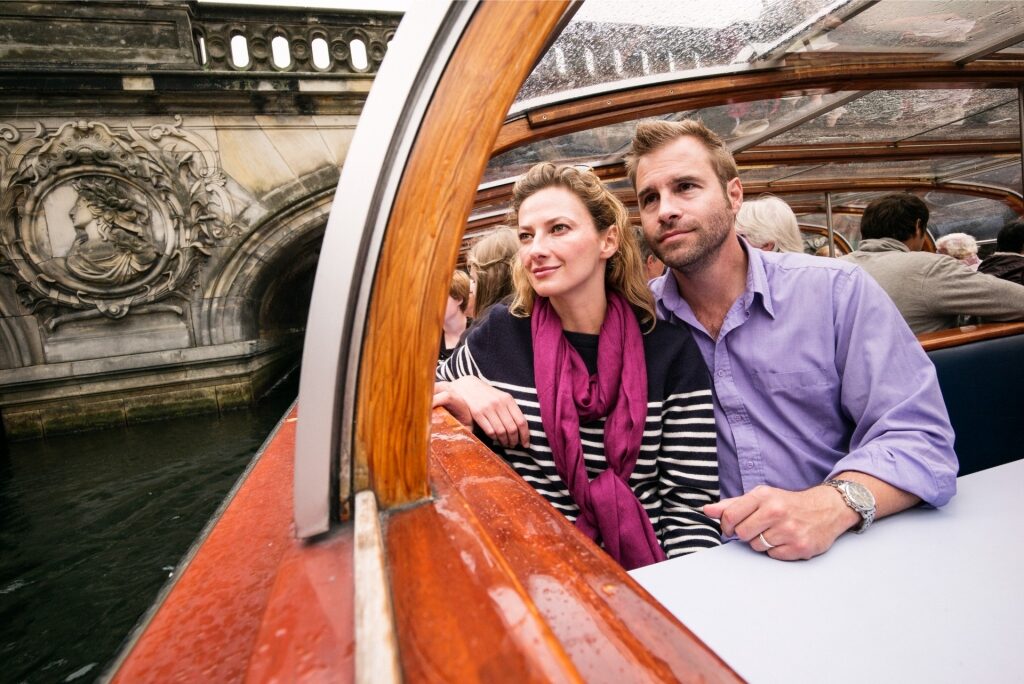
(955, 140)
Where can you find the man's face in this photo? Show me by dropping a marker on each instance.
(685, 214)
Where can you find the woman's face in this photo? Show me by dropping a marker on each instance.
(560, 247)
(452, 309)
(80, 214)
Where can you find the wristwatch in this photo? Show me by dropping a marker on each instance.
(859, 498)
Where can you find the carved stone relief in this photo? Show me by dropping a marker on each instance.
(94, 222)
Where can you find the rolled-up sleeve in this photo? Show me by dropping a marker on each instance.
(890, 392)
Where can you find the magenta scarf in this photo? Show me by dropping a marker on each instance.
(609, 510)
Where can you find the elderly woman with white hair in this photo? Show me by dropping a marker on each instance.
(960, 246)
(769, 224)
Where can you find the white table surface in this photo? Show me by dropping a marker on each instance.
(923, 596)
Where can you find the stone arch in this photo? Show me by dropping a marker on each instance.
(273, 264)
(19, 333)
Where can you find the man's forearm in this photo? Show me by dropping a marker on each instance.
(888, 499)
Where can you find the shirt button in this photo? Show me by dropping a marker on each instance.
(750, 465)
(721, 374)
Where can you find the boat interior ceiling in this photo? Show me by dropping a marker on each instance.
(825, 103)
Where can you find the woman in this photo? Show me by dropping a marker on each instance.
(621, 435)
(769, 224)
(490, 267)
(455, 319)
(111, 246)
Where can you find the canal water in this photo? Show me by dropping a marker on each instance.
(92, 525)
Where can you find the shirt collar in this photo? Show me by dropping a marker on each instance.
(668, 299)
(882, 245)
(757, 280)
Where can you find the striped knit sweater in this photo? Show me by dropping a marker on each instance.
(677, 470)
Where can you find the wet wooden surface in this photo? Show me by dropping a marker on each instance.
(493, 584)
(423, 237)
(254, 603)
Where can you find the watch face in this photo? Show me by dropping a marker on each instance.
(860, 496)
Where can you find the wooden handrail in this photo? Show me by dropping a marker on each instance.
(422, 240)
(514, 592)
(941, 339)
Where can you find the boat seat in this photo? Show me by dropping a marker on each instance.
(983, 385)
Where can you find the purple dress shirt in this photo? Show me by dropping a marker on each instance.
(815, 372)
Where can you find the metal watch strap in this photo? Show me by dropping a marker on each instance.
(867, 513)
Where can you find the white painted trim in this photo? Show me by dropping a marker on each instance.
(376, 642)
(369, 180)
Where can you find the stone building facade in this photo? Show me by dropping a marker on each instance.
(166, 172)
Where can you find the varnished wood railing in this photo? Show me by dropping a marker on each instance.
(422, 241)
(967, 334)
(491, 583)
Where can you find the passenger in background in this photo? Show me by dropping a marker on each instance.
(960, 246)
(490, 267)
(769, 224)
(1008, 261)
(455, 319)
(613, 412)
(930, 290)
(652, 265)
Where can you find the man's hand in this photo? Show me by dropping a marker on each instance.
(496, 412)
(446, 397)
(796, 525)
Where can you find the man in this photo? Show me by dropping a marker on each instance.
(817, 379)
(1008, 260)
(930, 290)
(652, 267)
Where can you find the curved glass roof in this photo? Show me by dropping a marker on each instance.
(728, 68)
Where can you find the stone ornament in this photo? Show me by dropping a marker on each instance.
(103, 223)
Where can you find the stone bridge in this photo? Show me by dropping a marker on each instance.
(166, 171)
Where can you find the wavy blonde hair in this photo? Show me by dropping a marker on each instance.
(624, 272)
(492, 258)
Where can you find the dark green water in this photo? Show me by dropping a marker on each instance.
(92, 525)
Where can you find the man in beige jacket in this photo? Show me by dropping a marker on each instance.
(930, 290)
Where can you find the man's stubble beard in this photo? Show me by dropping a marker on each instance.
(710, 238)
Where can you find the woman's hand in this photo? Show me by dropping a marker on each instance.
(496, 412)
(446, 397)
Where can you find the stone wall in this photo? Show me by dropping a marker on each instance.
(161, 206)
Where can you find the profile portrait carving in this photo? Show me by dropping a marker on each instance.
(112, 243)
(94, 222)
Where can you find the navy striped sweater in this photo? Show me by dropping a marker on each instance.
(677, 470)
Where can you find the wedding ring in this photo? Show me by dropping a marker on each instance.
(765, 542)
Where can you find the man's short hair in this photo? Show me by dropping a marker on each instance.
(653, 135)
(894, 216)
(1011, 237)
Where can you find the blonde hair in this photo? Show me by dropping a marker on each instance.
(653, 135)
(769, 219)
(459, 289)
(624, 271)
(492, 257)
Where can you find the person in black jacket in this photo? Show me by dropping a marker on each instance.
(1008, 260)
(604, 411)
